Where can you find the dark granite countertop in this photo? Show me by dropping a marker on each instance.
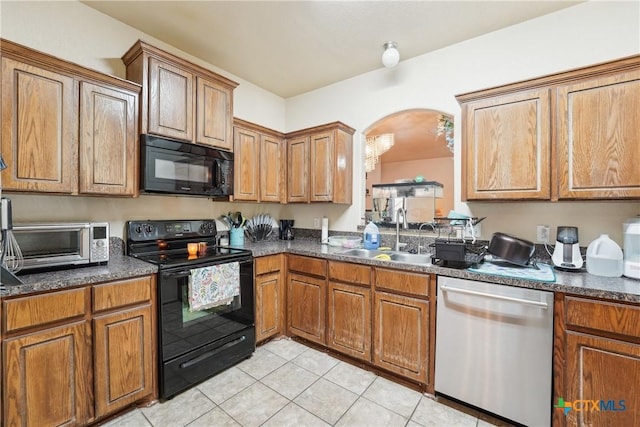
(577, 283)
(122, 267)
(118, 267)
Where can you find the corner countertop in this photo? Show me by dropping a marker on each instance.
(576, 283)
(119, 267)
(123, 267)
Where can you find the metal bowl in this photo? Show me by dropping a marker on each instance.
(512, 249)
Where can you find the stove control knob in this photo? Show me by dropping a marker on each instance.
(148, 228)
(138, 229)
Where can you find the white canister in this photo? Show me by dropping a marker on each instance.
(604, 257)
(631, 233)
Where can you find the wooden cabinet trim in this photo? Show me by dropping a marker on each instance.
(321, 128)
(307, 265)
(121, 293)
(38, 310)
(350, 273)
(606, 317)
(401, 281)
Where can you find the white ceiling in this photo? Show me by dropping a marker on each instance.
(292, 47)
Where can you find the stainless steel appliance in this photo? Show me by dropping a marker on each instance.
(566, 253)
(56, 245)
(174, 167)
(494, 348)
(286, 229)
(194, 344)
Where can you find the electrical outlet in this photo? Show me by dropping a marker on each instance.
(316, 222)
(542, 233)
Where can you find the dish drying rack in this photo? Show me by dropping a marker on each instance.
(452, 248)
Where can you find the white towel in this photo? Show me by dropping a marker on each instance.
(213, 286)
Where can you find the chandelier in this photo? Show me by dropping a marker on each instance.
(375, 147)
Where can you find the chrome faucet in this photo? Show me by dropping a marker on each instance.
(428, 224)
(400, 211)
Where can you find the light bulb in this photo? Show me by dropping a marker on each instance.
(390, 56)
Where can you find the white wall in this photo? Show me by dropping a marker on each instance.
(582, 35)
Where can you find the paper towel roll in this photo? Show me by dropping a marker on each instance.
(325, 230)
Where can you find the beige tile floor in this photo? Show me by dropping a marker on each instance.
(288, 384)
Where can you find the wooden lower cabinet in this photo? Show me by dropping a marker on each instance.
(606, 371)
(47, 378)
(596, 362)
(401, 335)
(306, 307)
(269, 291)
(349, 320)
(123, 369)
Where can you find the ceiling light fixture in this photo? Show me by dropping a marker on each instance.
(375, 147)
(390, 56)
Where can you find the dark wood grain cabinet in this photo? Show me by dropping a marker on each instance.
(306, 298)
(270, 296)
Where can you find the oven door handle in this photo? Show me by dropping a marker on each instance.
(174, 274)
(208, 354)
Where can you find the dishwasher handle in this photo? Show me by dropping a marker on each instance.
(540, 304)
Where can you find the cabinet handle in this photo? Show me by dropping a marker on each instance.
(540, 304)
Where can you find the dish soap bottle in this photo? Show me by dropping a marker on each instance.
(371, 236)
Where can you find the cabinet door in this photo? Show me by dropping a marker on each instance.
(349, 320)
(271, 168)
(46, 378)
(108, 135)
(506, 152)
(321, 165)
(306, 306)
(214, 115)
(604, 371)
(598, 140)
(246, 164)
(39, 129)
(123, 352)
(401, 334)
(269, 298)
(170, 101)
(298, 170)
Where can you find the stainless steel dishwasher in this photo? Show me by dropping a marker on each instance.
(494, 348)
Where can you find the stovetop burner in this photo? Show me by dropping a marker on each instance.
(164, 243)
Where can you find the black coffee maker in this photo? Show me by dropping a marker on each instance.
(286, 229)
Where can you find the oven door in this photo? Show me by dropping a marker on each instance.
(194, 345)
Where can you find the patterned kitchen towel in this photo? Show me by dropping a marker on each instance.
(213, 286)
(544, 273)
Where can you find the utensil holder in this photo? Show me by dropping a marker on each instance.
(236, 237)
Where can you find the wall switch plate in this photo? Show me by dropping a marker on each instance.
(316, 222)
(542, 233)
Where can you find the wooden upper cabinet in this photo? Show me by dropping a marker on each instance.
(170, 100)
(598, 138)
(246, 166)
(571, 135)
(320, 164)
(108, 135)
(507, 147)
(259, 163)
(214, 114)
(298, 169)
(39, 129)
(180, 99)
(65, 128)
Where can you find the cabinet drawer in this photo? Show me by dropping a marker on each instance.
(121, 293)
(268, 264)
(604, 316)
(307, 265)
(410, 283)
(42, 309)
(350, 273)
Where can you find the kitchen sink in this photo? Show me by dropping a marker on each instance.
(396, 256)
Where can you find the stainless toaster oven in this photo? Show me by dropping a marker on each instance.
(55, 245)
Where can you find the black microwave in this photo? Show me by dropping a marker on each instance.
(174, 167)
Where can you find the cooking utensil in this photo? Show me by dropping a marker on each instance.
(512, 249)
(11, 257)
